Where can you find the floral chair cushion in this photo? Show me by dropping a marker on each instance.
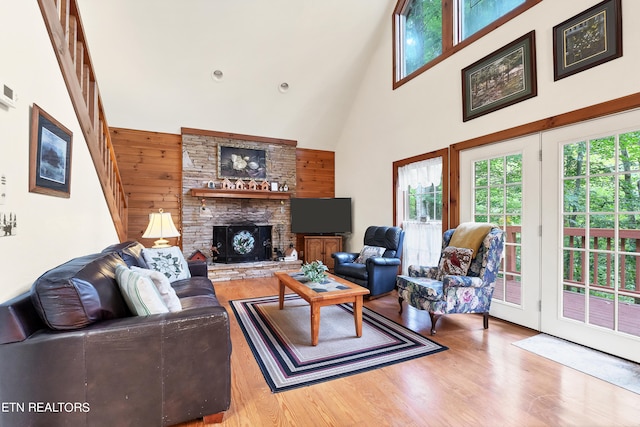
(420, 288)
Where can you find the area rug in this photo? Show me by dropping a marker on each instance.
(281, 341)
(617, 371)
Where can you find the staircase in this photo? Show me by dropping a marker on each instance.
(64, 26)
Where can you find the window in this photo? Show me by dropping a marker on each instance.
(427, 31)
(477, 14)
(419, 207)
(422, 34)
(425, 203)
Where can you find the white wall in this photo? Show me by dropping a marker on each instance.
(426, 113)
(50, 230)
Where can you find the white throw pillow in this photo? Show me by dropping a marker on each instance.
(168, 261)
(139, 292)
(167, 293)
(368, 252)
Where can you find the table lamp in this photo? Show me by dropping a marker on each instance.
(160, 225)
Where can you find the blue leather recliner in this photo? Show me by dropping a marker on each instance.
(376, 273)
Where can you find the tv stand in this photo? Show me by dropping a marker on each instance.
(321, 248)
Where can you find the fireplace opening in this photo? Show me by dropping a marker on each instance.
(241, 243)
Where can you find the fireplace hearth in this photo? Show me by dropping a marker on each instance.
(242, 243)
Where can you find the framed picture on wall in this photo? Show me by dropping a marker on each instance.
(588, 39)
(49, 155)
(500, 79)
(239, 162)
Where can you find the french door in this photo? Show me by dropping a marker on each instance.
(591, 234)
(500, 183)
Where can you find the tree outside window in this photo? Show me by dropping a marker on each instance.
(425, 203)
(426, 30)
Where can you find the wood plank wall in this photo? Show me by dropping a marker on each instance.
(151, 168)
(315, 177)
(315, 173)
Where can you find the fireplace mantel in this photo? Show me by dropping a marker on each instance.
(240, 194)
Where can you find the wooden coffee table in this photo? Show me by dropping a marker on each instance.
(351, 294)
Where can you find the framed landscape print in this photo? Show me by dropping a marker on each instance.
(588, 39)
(49, 155)
(500, 79)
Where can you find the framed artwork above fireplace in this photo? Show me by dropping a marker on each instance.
(241, 162)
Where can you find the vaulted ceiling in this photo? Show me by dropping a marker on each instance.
(154, 62)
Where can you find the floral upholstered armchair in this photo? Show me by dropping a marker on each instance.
(464, 280)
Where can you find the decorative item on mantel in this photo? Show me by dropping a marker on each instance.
(253, 185)
(227, 185)
(240, 185)
(264, 186)
(314, 271)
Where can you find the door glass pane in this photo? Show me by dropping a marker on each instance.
(601, 216)
(497, 189)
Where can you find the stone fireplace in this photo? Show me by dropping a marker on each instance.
(202, 215)
(242, 243)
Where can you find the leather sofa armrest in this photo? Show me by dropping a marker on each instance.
(344, 257)
(381, 261)
(162, 369)
(161, 352)
(198, 268)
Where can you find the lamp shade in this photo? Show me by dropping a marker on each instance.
(160, 225)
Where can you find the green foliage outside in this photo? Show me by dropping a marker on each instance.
(422, 40)
(477, 14)
(423, 33)
(425, 203)
(592, 172)
(591, 176)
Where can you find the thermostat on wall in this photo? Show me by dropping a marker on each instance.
(8, 97)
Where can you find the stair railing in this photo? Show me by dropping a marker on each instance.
(62, 19)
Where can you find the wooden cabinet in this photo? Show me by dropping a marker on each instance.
(321, 248)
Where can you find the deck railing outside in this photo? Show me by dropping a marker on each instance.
(575, 253)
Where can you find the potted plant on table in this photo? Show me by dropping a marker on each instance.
(315, 271)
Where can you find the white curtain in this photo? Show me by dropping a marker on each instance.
(422, 240)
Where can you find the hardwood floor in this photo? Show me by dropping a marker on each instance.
(482, 380)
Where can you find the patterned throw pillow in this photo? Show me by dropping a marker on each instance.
(168, 261)
(140, 294)
(368, 252)
(167, 293)
(454, 261)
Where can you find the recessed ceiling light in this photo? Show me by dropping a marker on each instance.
(284, 87)
(217, 75)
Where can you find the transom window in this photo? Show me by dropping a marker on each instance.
(425, 31)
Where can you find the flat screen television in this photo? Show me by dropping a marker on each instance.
(321, 215)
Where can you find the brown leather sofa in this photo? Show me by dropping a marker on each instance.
(102, 366)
